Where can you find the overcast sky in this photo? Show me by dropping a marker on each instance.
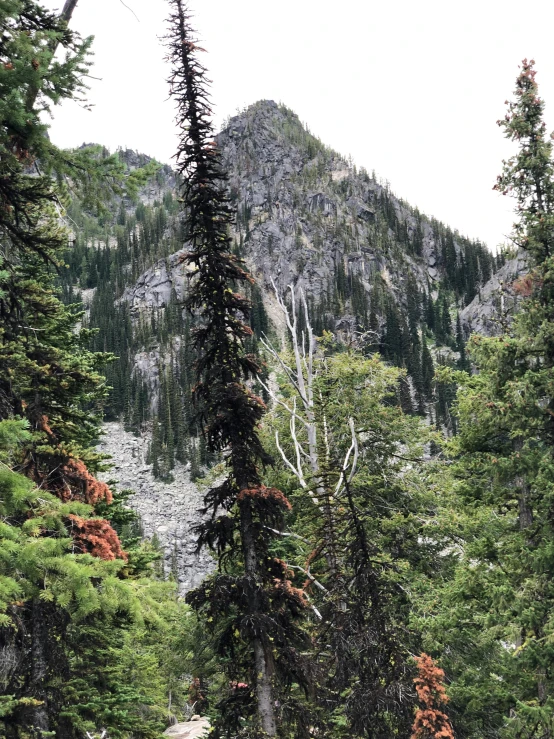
(409, 88)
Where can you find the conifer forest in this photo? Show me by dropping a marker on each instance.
(276, 448)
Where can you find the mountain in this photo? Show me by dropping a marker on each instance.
(374, 270)
(306, 216)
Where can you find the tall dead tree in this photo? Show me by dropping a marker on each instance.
(259, 606)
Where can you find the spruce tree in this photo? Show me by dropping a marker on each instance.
(463, 363)
(48, 375)
(427, 370)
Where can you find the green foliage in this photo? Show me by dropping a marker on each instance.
(492, 614)
(70, 622)
(254, 612)
(113, 628)
(356, 547)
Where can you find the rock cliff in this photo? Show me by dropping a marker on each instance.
(492, 309)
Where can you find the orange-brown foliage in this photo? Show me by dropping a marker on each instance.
(81, 484)
(96, 536)
(267, 494)
(42, 424)
(525, 285)
(292, 594)
(195, 692)
(430, 721)
(254, 398)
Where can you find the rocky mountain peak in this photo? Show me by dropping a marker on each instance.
(368, 263)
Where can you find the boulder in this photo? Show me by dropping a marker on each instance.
(199, 727)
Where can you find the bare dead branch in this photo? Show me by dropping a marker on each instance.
(310, 576)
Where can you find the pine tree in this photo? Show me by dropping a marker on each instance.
(431, 721)
(446, 321)
(430, 315)
(427, 370)
(463, 363)
(413, 310)
(342, 541)
(393, 342)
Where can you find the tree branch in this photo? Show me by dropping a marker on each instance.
(309, 574)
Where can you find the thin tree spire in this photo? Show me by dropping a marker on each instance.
(261, 602)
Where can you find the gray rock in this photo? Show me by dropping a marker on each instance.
(198, 727)
(492, 310)
(169, 510)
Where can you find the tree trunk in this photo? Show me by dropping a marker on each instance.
(263, 659)
(68, 9)
(524, 494)
(35, 717)
(65, 15)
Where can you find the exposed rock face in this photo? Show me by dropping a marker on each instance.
(306, 209)
(153, 288)
(491, 311)
(302, 214)
(167, 510)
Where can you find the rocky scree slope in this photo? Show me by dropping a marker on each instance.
(168, 510)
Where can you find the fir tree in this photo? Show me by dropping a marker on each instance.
(463, 363)
(503, 473)
(258, 605)
(427, 370)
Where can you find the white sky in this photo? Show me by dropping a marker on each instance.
(410, 88)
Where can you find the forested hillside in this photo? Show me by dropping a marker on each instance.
(374, 271)
(268, 333)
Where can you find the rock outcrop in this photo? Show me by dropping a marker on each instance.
(493, 308)
(304, 214)
(306, 210)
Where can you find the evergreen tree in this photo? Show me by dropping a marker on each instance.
(393, 340)
(348, 540)
(413, 310)
(427, 370)
(60, 561)
(430, 315)
(463, 363)
(502, 661)
(255, 610)
(446, 321)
